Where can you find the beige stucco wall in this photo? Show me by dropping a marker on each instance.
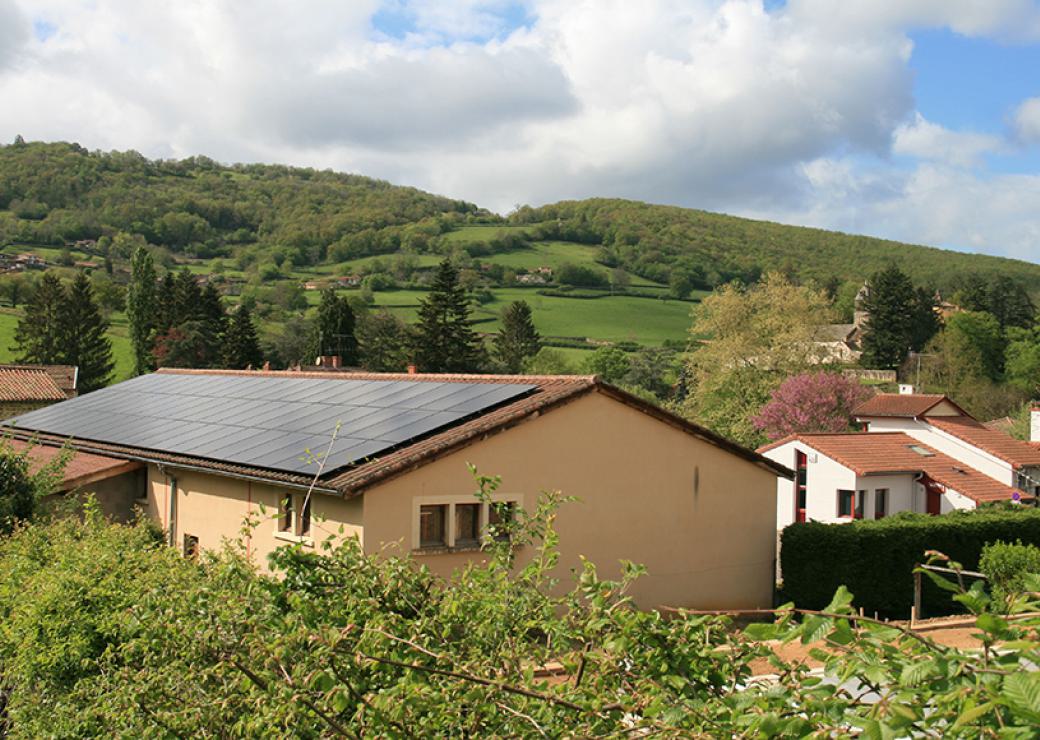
(703, 521)
(116, 497)
(214, 508)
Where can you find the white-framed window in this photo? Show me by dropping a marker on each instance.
(294, 517)
(441, 523)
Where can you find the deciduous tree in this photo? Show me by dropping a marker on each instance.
(811, 402)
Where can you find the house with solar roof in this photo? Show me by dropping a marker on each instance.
(918, 452)
(384, 458)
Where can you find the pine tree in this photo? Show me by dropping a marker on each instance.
(334, 332)
(39, 336)
(86, 344)
(166, 313)
(211, 309)
(241, 347)
(385, 343)
(445, 342)
(518, 338)
(889, 329)
(187, 303)
(142, 309)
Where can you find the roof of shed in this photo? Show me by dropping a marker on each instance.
(904, 405)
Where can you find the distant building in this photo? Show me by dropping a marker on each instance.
(27, 387)
(349, 281)
(531, 278)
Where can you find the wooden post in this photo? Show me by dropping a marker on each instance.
(915, 614)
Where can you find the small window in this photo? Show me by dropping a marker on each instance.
(467, 524)
(846, 504)
(303, 526)
(432, 532)
(500, 513)
(285, 513)
(191, 546)
(880, 503)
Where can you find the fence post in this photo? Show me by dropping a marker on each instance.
(915, 613)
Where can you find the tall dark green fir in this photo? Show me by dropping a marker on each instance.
(445, 342)
(241, 347)
(39, 335)
(518, 338)
(86, 344)
(890, 305)
(334, 331)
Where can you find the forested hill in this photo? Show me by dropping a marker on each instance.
(651, 239)
(55, 193)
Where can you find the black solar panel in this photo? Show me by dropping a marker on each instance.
(269, 422)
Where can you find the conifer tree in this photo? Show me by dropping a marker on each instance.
(445, 342)
(241, 347)
(166, 314)
(39, 335)
(385, 342)
(187, 302)
(211, 309)
(85, 342)
(518, 338)
(142, 309)
(888, 334)
(334, 332)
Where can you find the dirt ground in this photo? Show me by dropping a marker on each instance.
(955, 632)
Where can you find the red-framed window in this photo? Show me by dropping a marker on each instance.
(850, 504)
(880, 503)
(801, 485)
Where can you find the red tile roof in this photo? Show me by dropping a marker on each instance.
(901, 405)
(28, 384)
(552, 392)
(993, 441)
(878, 453)
(81, 469)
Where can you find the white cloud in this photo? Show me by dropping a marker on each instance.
(923, 139)
(792, 114)
(1027, 121)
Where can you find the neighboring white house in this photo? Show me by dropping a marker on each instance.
(919, 453)
(940, 423)
(842, 477)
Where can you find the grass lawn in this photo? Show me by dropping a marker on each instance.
(482, 233)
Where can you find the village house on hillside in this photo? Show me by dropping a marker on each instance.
(697, 510)
(918, 453)
(27, 387)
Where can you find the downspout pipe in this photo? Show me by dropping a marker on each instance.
(171, 505)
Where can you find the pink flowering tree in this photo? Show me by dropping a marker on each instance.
(811, 402)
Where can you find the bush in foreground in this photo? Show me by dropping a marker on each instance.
(106, 632)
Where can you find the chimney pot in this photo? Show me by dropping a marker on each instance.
(412, 370)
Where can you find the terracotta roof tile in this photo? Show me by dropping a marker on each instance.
(64, 376)
(28, 384)
(993, 441)
(81, 469)
(900, 405)
(876, 453)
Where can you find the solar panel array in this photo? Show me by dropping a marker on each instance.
(266, 421)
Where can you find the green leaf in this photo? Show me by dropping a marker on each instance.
(761, 631)
(970, 715)
(841, 601)
(814, 629)
(991, 623)
(1023, 691)
(914, 674)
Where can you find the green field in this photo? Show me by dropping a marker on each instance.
(482, 233)
(612, 318)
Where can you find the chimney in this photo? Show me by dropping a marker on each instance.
(905, 389)
(1034, 422)
(333, 361)
(412, 369)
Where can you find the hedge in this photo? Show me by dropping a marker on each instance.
(875, 559)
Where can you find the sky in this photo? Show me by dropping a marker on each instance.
(916, 120)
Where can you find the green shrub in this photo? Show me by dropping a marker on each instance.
(876, 559)
(1006, 566)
